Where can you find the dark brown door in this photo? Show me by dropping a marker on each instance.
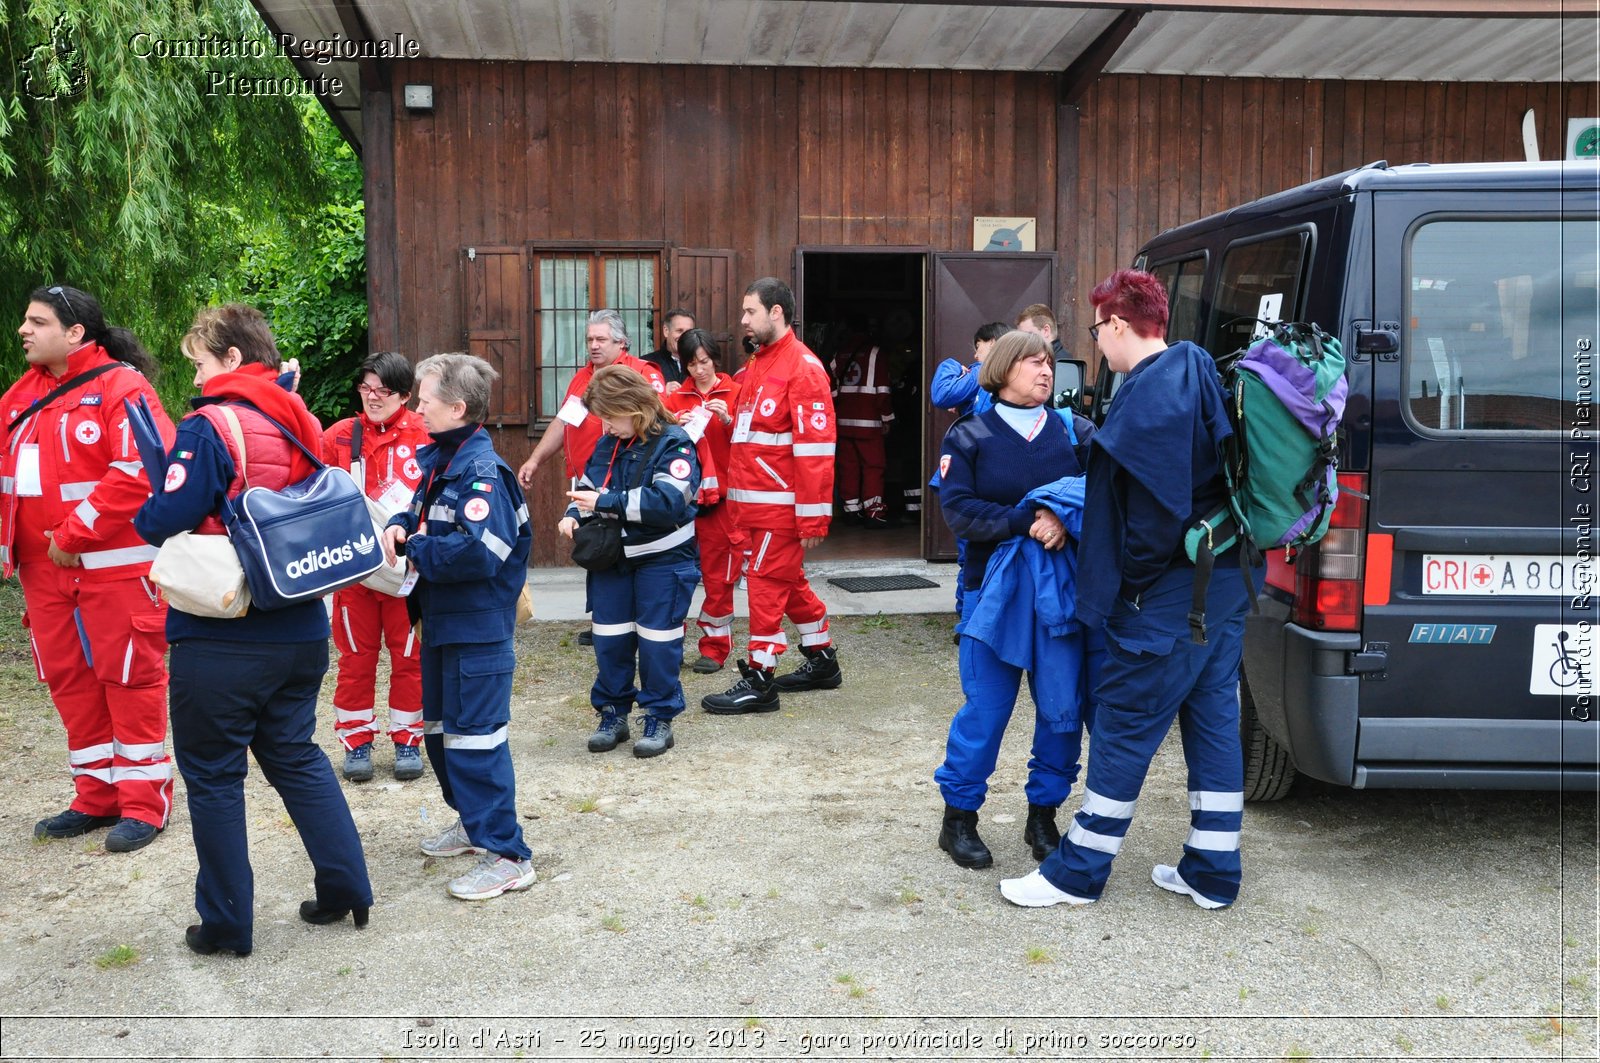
(495, 315)
(702, 282)
(969, 289)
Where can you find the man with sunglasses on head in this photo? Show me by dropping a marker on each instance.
(383, 438)
(70, 482)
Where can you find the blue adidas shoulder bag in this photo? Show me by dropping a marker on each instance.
(304, 541)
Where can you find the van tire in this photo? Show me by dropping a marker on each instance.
(1269, 773)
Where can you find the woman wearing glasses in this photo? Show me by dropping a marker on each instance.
(383, 438)
(70, 483)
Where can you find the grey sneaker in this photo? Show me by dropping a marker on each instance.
(612, 728)
(491, 876)
(656, 740)
(452, 842)
(358, 763)
(407, 762)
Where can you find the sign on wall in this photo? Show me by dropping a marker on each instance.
(1003, 234)
(1583, 138)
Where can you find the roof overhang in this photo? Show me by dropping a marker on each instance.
(1435, 40)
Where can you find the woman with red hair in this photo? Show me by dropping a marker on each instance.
(1154, 471)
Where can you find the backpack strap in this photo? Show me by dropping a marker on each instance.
(60, 390)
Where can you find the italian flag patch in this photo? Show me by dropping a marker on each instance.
(486, 488)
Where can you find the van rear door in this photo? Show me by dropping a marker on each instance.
(1479, 566)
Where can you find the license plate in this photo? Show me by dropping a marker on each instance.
(1488, 575)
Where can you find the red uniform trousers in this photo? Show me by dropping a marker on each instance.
(364, 621)
(101, 648)
(861, 462)
(721, 558)
(775, 580)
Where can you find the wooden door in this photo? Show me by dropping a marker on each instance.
(494, 317)
(703, 282)
(968, 289)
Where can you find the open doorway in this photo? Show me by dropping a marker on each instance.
(863, 314)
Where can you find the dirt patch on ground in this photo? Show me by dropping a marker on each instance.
(772, 888)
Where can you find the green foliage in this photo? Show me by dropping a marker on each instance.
(134, 177)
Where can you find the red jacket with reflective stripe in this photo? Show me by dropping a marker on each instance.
(580, 441)
(862, 399)
(780, 462)
(388, 451)
(89, 469)
(712, 450)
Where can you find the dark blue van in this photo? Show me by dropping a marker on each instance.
(1445, 632)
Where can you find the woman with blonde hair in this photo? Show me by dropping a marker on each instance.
(644, 475)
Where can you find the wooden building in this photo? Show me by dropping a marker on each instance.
(563, 155)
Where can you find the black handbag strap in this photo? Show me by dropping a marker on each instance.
(316, 459)
(60, 390)
(355, 444)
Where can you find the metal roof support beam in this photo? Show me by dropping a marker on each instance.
(1091, 62)
(1385, 8)
(308, 71)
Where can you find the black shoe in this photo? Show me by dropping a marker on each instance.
(130, 834)
(586, 637)
(819, 672)
(71, 824)
(755, 692)
(312, 913)
(959, 838)
(195, 938)
(1041, 833)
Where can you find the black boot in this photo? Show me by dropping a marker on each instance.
(819, 672)
(959, 838)
(1040, 833)
(754, 692)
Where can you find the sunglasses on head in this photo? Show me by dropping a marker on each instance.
(57, 290)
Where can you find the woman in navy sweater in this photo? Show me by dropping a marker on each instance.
(990, 463)
(249, 683)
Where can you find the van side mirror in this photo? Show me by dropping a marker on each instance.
(1070, 375)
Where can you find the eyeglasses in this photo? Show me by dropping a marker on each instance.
(377, 393)
(58, 290)
(1094, 329)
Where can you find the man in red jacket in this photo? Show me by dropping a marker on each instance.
(779, 481)
(70, 482)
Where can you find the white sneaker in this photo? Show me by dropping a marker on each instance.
(453, 842)
(1166, 876)
(492, 876)
(1035, 891)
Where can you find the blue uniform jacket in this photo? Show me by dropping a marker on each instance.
(1154, 469)
(955, 387)
(658, 515)
(468, 538)
(1025, 608)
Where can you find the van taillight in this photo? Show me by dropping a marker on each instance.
(1328, 576)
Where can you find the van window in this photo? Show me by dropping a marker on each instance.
(1258, 280)
(1182, 279)
(1500, 313)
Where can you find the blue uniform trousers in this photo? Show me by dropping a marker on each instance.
(229, 697)
(638, 615)
(991, 687)
(466, 715)
(1153, 672)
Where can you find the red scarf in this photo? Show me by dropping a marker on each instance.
(258, 385)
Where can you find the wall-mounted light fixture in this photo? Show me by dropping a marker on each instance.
(418, 97)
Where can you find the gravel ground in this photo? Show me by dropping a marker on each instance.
(771, 888)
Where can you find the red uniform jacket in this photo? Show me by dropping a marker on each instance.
(863, 400)
(580, 440)
(89, 469)
(780, 461)
(712, 448)
(388, 452)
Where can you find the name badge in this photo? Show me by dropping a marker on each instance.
(28, 482)
(395, 497)
(741, 427)
(410, 583)
(573, 412)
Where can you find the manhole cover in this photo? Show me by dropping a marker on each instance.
(868, 584)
